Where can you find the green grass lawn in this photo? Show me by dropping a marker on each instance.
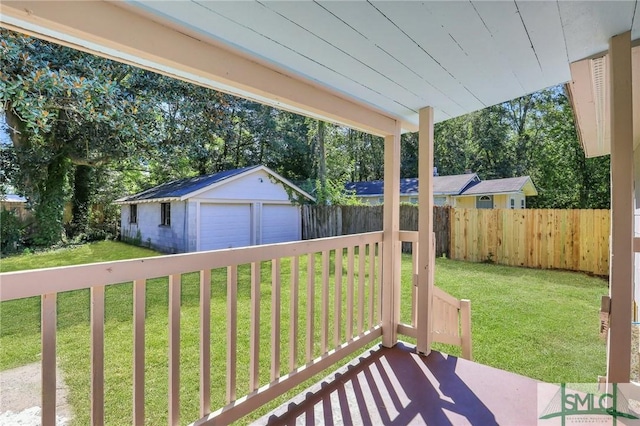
(543, 324)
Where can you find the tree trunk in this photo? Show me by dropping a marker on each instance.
(322, 162)
(81, 200)
(49, 210)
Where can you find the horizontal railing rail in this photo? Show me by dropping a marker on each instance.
(451, 318)
(332, 308)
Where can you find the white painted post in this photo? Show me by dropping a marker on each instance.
(425, 231)
(621, 266)
(391, 256)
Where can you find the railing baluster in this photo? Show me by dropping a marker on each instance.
(174, 349)
(414, 281)
(362, 257)
(465, 326)
(350, 284)
(139, 291)
(380, 281)
(293, 313)
(311, 283)
(232, 328)
(372, 281)
(254, 345)
(97, 355)
(324, 338)
(275, 319)
(337, 298)
(48, 337)
(205, 342)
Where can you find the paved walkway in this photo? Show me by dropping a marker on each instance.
(20, 398)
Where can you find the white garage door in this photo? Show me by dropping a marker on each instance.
(224, 226)
(280, 223)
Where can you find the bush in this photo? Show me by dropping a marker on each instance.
(11, 230)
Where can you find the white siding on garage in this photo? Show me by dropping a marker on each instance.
(280, 222)
(225, 226)
(256, 186)
(167, 239)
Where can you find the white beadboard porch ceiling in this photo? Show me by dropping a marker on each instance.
(392, 56)
(399, 56)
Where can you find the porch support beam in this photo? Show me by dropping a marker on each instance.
(391, 244)
(425, 231)
(126, 34)
(621, 265)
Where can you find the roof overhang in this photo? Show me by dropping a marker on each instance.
(265, 169)
(123, 201)
(288, 184)
(589, 93)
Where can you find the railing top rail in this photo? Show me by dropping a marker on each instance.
(408, 236)
(21, 284)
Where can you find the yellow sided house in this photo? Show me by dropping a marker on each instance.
(382, 68)
(463, 191)
(233, 208)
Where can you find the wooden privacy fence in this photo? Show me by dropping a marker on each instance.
(332, 221)
(576, 240)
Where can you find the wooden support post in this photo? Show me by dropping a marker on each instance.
(621, 265)
(391, 256)
(425, 231)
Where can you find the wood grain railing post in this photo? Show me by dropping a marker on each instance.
(311, 283)
(350, 285)
(414, 281)
(293, 312)
(337, 314)
(48, 326)
(97, 355)
(465, 328)
(275, 319)
(139, 289)
(232, 330)
(174, 349)
(254, 344)
(205, 342)
(324, 333)
(372, 281)
(362, 257)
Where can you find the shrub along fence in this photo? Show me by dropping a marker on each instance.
(576, 240)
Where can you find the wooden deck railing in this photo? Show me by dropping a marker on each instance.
(349, 317)
(451, 317)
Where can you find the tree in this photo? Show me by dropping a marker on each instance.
(65, 110)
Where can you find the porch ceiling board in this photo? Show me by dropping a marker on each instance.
(458, 45)
(588, 25)
(255, 29)
(391, 37)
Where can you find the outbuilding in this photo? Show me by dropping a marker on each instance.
(234, 208)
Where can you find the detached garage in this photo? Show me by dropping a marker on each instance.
(234, 208)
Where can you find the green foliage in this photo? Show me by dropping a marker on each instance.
(11, 231)
(50, 204)
(63, 108)
(534, 135)
(333, 192)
